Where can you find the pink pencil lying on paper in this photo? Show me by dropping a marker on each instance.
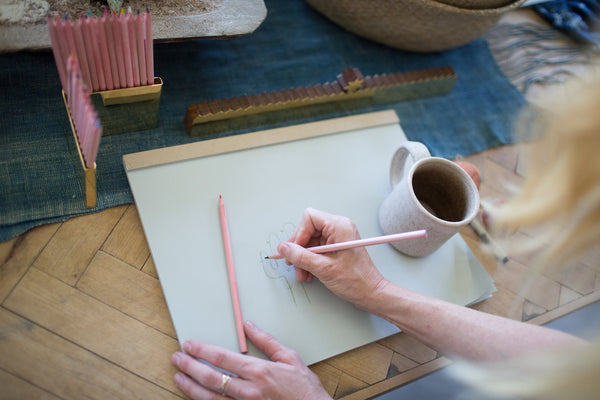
(235, 297)
(327, 248)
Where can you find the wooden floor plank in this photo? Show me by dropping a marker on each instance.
(503, 303)
(367, 363)
(348, 384)
(529, 284)
(63, 368)
(400, 364)
(127, 289)
(579, 277)
(75, 244)
(567, 295)
(17, 254)
(409, 347)
(497, 181)
(14, 388)
(328, 375)
(101, 329)
(150, 268)
(127, 241)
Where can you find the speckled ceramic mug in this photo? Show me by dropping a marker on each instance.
(433, 194)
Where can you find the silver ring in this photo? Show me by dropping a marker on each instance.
(225, 381)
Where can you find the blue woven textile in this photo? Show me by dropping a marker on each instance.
(295, 46)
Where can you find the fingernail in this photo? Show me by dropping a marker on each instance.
(179, 378)
(187, 347)
(175, 358)
(250, 325)
(284, 249)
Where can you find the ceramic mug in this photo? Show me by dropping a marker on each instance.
(433, 194)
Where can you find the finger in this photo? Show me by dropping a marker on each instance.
(266, 343)
(310, 227)
(302, 275)
(302, 258)
(193, 389)
(202, 379)
(215, 355)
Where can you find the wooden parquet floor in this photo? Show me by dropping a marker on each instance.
(82, 313)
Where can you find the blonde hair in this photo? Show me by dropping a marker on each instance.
(561, 192)
(560, 196)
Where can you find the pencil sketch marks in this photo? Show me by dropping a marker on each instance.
(278, 269)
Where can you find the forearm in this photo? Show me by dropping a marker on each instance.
(460, 331)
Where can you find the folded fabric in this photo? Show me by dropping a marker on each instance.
(576, 18)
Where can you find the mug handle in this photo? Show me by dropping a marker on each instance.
(416, 150)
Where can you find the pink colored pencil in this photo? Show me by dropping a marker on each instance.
(85, 119)
(89, 52)
(82, 57)
(149, 47)
(91, 23)
(135, 62)
(70, 40)
(95, 142)
(126, 50)
(70, 78)
(235, 298)
(119, 50)
(141, 49)
(107, 21)
(57, 51)
(103, 45)
(84, 128)
(362, 243)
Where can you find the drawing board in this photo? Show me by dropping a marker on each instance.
(267, 179)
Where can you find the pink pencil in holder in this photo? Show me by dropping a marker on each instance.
(140, 31)
(89, 52)
(91, 25)
(126, 50)
(103, 45)
(86, 123)
(73, 32)
(149, 47)
(119, 51)
(135, 62)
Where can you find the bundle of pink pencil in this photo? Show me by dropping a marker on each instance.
(114, 50)
(85, 119)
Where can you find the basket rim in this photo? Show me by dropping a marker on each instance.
(443, 7)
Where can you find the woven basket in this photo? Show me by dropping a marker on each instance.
(415, 25)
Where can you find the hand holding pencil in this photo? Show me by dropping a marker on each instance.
(349, 274)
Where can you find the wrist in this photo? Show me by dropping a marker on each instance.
(377, 299)
(392, 303)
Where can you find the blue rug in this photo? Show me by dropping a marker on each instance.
(295, 46)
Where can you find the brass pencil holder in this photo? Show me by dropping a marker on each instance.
(130, 109)
(89, 174)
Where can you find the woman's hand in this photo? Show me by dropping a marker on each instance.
(350, 274)
(284, 377)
